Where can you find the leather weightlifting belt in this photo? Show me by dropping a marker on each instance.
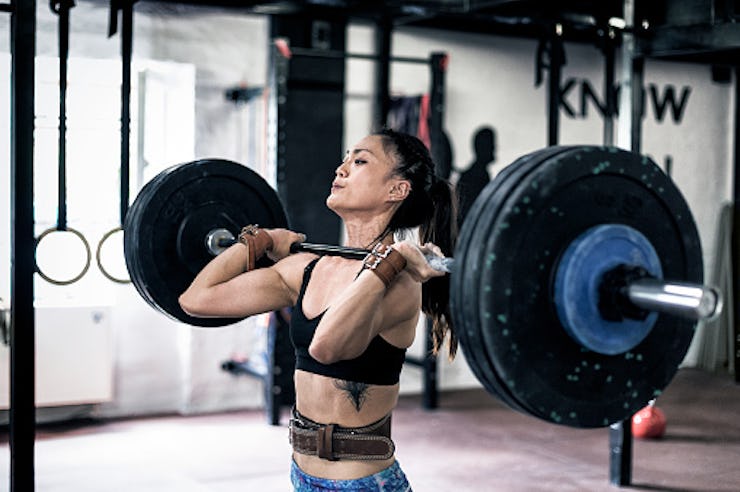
(333, 442)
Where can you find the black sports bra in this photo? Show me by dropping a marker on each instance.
(380, 363)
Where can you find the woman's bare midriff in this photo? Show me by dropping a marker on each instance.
(323, 399)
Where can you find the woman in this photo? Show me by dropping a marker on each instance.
(352, 320)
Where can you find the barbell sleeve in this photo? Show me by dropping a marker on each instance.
(441, 263)
(686, 300)
(217, 240)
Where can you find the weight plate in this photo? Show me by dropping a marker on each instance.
(466, 327)
(166, 227)
(130, 230)
(479, 259)
(465, 280)
(544, 369)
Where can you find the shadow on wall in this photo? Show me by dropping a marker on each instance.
(476, 176)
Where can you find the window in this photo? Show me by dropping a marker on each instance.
(162, 134)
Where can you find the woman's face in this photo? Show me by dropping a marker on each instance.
(364, 181)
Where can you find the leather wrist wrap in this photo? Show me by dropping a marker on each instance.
(385, 262)
(257, 242)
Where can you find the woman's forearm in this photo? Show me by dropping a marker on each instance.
(222, 268)
(351, 322)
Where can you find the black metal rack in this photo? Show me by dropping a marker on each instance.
(22, 327)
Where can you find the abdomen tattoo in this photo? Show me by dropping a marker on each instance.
(357, 393)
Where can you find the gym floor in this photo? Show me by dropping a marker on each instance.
(470, 443)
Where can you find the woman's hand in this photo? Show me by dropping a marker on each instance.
(416, 264)
(281, 241)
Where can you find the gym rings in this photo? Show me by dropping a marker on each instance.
(105, 272)
(88, 254)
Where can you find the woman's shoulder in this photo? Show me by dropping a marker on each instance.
(291, 269)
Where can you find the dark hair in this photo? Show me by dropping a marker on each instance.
(432, 207)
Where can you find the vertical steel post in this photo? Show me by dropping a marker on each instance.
(736, 230)
(637, 104)
(438, 70)
(628, 137)
(277, 108)
(557, 60)
(631, 79)
(609, 93)
(127, 21)
(382, 104)
(430, 397)
(620, 453)
(22, 326)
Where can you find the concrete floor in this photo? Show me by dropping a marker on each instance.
(471, 443)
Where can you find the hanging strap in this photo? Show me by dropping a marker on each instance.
(127, 40)
(127, 13)
(62, 8)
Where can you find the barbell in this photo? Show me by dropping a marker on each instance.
(576, 281)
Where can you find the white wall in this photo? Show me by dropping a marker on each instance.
(163, 366)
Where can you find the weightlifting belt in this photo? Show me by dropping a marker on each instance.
(333, 442)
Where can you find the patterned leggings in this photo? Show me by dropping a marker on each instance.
(392, 479)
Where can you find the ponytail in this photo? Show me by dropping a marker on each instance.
(441, 230)
(432, 207)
